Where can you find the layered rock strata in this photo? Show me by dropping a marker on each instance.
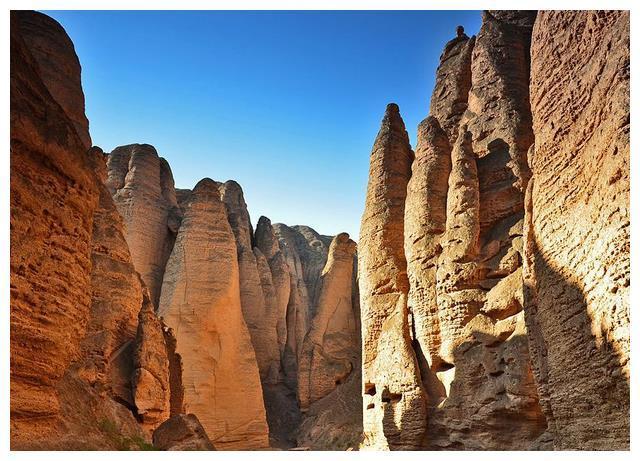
(466, 235)
(201, 303)
(75, 295)
(577, 230)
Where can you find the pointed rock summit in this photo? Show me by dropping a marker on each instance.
(395, 406)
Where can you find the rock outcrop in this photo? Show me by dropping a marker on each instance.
(577, 230)
(75, 295)
(182, 433)
(53, 197)
(142, 187)
(200, 302)
(54, 54)
(466, 234)
(394, 416)
(330, 348)
(257, 293)
(151, 387)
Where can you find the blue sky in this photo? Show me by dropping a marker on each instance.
(286, 103)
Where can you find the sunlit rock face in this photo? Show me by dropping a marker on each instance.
(517, 315)
(201, 303)
(75, 295)
(577, 230)
(394, 414)
(54, 55)
(142, 187)
(257, 293)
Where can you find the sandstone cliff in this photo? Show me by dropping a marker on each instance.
(467, 236)
(200, 301)
(75, 293)
(577, 229)
(142, 187)
(330, 348)
(394, 416)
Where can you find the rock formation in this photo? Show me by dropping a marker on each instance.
(330, 348)
(151, 387)
(257, 293)
(183, 433)
(142, 187)
(75, 295)
(395, 406)
(493, 269)
(200, 301)
(466, 234)
(577, 229)
(54, 54)
(53, 197)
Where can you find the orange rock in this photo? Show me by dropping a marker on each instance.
(200, 302)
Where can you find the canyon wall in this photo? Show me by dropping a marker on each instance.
(490, 286)
(200, 302)
(487, 279)
(105, 250)
(577, 269)
(75, 296)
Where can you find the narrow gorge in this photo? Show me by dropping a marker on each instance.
(485, 305)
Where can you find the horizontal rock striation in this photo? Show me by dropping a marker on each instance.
(518, 318)
(577, 230)
(75, 294)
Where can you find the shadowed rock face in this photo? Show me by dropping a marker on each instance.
(201, 303)
(464, 243)
(142, 187)
(182, 433)
(577, 238)
(394, 403)
(151, 388)
(330, 348)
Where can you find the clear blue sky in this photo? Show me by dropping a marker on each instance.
(286, 103)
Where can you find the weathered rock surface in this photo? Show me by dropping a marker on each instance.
(330, 348)
(257, 294)
(53, 196)
(74, 292)
(59, 66)
(577, 230)
(394, 403)
(182, 432)
(200, 302)
(467, 232)
(143, 190)
(151, 388)
(334, 422)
